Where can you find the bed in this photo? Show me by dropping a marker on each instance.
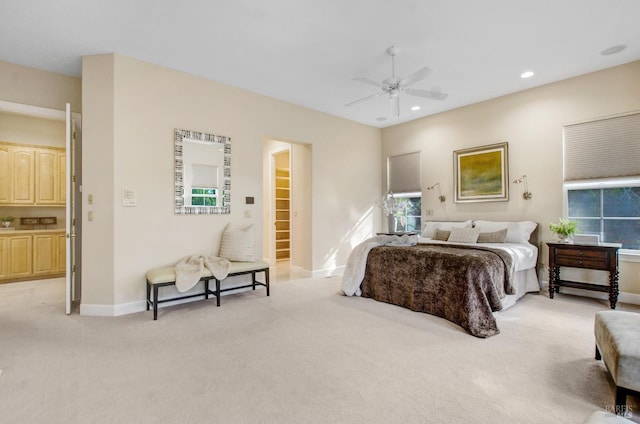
(462, 272)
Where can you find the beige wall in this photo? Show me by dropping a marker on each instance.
(130, 110)
(531, 122)
(34, 87)
(98, 173)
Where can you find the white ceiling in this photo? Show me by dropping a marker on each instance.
(308, 52)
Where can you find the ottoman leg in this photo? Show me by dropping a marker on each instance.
(598, 356)
(621, 401)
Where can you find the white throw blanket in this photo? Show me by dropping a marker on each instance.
(190, 268)
(357, 262)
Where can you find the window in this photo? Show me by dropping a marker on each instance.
(204, 196)
(409, 212)
(602, 178)
(613, 212)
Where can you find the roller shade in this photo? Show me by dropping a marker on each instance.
(204, 176)
(404, 173)
(606, 148)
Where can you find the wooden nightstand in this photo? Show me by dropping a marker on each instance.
(603, 256)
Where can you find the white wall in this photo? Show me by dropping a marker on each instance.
(531, 122)
(133, 140)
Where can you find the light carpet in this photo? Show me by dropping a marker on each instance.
(306, 354)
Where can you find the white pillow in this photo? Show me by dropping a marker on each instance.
(430, 227)
(237, 244)
(517, 232)
(464, 235)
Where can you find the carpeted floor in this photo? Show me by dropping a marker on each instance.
(305, 354)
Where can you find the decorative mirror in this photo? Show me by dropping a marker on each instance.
(203, 173)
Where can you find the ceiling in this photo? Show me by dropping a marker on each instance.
(309, 52)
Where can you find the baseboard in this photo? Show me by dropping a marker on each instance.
(623, 297)
(328, 272)
(141, 305)
(97, 310)
(299, 271)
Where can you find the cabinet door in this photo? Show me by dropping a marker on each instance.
(20, 256)
(22, 175)
(4, 258)
(47, 177)
(5, 176)
(45, 254)
(62, 253)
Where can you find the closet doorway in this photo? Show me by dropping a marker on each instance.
(287, 229)
(42, 146)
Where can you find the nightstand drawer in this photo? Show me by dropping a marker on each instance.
(582, 258)
(583, 262)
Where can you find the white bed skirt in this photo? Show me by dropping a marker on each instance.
(526, 281)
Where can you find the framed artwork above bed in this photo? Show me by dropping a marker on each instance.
(481, 174)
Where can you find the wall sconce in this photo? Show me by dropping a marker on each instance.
(526, 195)
(440, 196)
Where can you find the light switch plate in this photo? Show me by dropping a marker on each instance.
(128, 197)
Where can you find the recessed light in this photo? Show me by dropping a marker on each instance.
(382, 118)
(527, 74)
(613, 50)
(414, 108)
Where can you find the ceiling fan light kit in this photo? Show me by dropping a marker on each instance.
(394, 85)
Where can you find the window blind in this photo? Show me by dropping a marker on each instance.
(204, 175)
(403, 172)
(605, 148)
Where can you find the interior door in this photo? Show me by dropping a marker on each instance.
(69, 230)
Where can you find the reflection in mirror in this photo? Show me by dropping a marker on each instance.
(202, 173)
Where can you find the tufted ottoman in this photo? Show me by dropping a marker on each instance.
(618, 345)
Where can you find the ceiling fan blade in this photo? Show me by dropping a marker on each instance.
(395, 106)
(368, 81)
(415, 77)
(364, 99)
(436, 95)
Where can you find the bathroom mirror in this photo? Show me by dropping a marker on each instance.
(202, 173)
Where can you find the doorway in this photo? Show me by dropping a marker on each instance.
(44, 226)
(287, 189)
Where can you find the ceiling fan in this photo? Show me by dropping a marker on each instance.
(394, 85)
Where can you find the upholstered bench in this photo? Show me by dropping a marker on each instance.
(166, 276)
(618, 345)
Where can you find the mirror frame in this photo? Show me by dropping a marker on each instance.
(180, 207)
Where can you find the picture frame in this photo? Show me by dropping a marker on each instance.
(481, 174)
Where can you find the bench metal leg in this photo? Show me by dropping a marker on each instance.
(217, 292)
(155, 302)
(148, 294)
(266, 279)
